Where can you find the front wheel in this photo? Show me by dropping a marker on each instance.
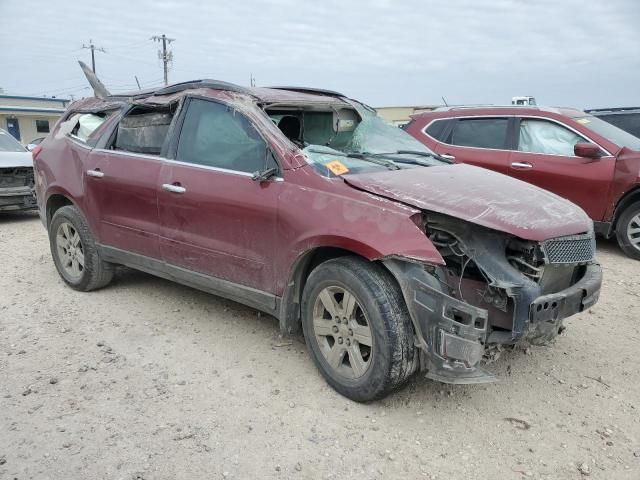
(357, 328)
(628, 231)
(75, 253)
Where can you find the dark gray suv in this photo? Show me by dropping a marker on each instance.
(626, 118)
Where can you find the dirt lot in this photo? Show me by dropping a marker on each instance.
(149, 379)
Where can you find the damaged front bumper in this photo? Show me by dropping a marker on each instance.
(453, 335)
(17, 198)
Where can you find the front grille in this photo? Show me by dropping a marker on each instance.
(571, 249)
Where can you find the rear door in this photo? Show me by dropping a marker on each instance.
(544, 157)
(214, 218)
(481, 141)
(122, 181)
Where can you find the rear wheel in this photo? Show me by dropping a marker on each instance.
(74, 251)
(628, 231)
(357, 327)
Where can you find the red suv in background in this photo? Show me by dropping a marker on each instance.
(573, 154)
(306, 205)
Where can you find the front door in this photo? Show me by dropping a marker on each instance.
(214, 218)
(13, 127)
(544, 157)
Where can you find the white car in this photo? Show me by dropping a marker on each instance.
(16, 175)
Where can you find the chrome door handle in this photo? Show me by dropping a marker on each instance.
(447, 156)
(521, 165)
(173, 188)
(95, 173)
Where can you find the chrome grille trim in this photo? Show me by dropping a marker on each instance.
(570, 249)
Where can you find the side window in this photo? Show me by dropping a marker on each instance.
(144, 129)
(542, 136)
(436, 129)
(480, 132)
(217, 136)
(81, 126)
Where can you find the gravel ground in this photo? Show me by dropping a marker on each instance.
(149, 379)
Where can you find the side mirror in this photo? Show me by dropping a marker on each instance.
(587, 150)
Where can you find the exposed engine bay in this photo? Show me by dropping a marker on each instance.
(494, 290)
(16, 177)
(16, 188)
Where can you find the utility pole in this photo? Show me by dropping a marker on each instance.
(93, 49)
(164, 55)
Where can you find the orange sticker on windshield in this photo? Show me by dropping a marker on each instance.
(336, 167)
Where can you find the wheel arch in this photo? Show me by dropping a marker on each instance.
(629, 198)
(55, 201)
(290, 314)
(297, 278)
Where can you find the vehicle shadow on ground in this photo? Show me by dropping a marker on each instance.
(18, 217)
(609, 246)
(128, 278)
(418, 389)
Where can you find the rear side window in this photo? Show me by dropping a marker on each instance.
(480, 132)
(144, 130)
(437, 129)
(217, 136)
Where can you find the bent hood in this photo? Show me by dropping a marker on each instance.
(15, 159)
(479, 196)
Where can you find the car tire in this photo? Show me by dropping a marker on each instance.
(74, 251)
(628, 231)
(369, 296)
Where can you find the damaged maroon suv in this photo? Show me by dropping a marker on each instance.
(304, 204)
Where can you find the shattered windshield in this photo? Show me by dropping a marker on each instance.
(375, 145)
(374, 135)
(368, 143)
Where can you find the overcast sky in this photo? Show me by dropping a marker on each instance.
(582, 53)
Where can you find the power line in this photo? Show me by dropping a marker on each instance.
(58, 91)
(128, 46)
(131, 59)
(93, 49)
(165, 55)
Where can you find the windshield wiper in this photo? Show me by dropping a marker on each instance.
(373, 158)
(417, 153)
(366, 156)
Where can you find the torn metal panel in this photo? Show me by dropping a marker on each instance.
(449, 332)
(495, 289)
(513, 268)
(99, 89)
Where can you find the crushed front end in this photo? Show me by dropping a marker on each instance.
(495, 289)
(17, 188)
